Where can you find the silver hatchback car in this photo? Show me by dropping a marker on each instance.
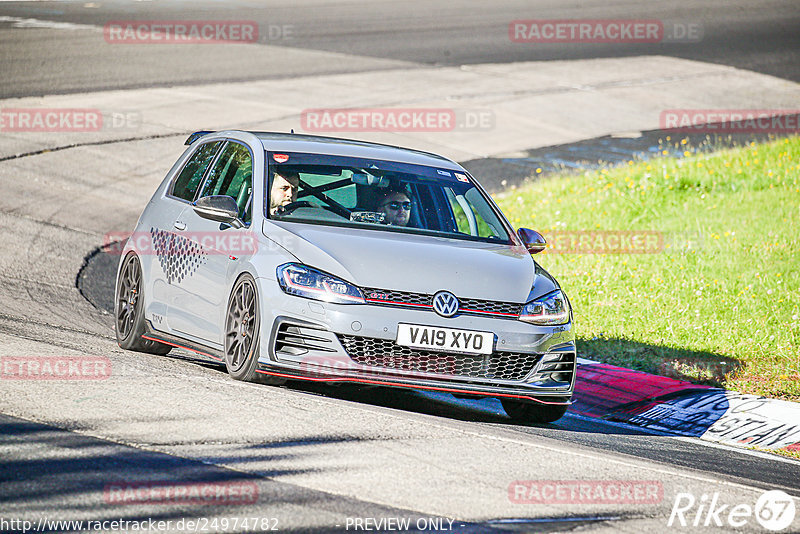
(294, 257)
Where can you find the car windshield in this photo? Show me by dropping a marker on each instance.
(379, 195)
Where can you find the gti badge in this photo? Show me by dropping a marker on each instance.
(445, 304)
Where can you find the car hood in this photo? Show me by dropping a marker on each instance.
(409, 262)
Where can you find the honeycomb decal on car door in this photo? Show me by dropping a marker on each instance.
(178, 256)
(160, 240)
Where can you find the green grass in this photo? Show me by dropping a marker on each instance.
(783, 452)
(719, 304)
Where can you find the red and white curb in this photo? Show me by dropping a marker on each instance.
(676, 406)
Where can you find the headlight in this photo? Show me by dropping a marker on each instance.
(550, 309)
(297, 279)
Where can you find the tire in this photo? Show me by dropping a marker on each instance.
(129, 323)
(530, 412)
(242, 333)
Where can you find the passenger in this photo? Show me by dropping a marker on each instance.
(396, 205)
(283, 191)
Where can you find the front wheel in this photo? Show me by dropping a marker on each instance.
(242, 327)
(530, 412)
(129, 310)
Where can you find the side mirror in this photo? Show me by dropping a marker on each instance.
(533, 240)
(221, 208)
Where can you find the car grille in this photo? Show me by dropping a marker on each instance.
(388, 297)
(488, 306)
(386, 353)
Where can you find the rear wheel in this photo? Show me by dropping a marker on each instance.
(128, 310)
(242, 327)
(531, 412)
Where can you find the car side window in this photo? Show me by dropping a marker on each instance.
(468, 220)
(187, 182)
(232, 175)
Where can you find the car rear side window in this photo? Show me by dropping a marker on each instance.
(189, 179)
(467, 214)
(232, 175)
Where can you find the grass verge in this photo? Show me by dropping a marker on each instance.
(713, 293)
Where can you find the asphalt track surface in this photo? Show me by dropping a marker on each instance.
(759, 36)
(318, 454)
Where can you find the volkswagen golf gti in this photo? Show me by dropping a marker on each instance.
(297, 257)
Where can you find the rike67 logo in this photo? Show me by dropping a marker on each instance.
(774, 510)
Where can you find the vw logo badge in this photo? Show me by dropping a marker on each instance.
(445, 304)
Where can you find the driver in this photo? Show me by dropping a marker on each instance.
(396, 205)
(284, 189)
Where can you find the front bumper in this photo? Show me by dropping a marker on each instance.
(311, 340)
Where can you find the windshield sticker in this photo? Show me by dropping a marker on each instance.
(368, 217)
(443, 173)
(280, 158)
(462, 177)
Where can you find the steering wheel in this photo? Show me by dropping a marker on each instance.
(289, 208)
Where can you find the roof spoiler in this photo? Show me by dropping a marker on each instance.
(195, 136)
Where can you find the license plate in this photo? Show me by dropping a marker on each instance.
(444, 339)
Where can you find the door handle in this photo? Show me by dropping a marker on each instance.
(179, 225)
